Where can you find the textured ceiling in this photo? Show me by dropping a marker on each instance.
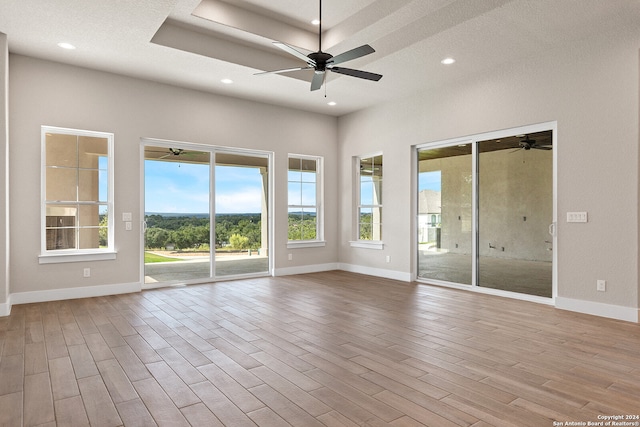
(196, 44)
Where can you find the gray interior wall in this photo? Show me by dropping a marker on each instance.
(515, 186)
(512, 186)
(47, 93)
(455, 200)
(591, 90)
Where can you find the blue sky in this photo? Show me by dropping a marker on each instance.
(172, 187)
(430, 181)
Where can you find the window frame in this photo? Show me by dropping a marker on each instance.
(358, 206)
(50, 256)
(319, 206)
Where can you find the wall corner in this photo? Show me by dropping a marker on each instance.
(5, 306)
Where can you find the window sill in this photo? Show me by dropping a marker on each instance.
(293, 244)
(76, 257)
(367, 244)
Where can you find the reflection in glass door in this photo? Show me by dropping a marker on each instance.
(445, 214)
(241, 220)
(177, 215)
(515, 201)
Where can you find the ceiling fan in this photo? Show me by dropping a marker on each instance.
(528, 143)
(174, 152)
(321, 61)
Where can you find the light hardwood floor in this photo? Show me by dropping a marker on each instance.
(325, 349)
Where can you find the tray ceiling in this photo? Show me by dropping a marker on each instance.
(197, 44)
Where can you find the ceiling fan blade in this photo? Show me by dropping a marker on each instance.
(542, 147)
(292, 51)
(357, 73)
(286, 70)
(351, 54)
(318, 80)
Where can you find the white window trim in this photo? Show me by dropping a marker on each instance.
(319, 240)
(294, 244)
(358, 243)
(76, 255)
(367, 244)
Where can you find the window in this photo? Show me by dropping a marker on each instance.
(76, 195)
(369, 200)
(305, 197)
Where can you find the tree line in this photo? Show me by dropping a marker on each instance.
(239, 231)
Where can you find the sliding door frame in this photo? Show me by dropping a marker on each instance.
(212, 150)
(474, 139)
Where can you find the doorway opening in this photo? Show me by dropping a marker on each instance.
(206, 213)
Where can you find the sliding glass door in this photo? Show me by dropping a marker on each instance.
(177, 214)
(206, 213)
(515, 203)
(445, 239)
(486, 212)
(241, 223)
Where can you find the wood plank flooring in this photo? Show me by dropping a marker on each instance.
(325, 349)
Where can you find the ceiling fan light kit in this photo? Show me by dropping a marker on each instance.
(321, 62)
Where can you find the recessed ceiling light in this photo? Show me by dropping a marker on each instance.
(448, 61)
(67, 46)
(316, 22)
(227, 81)
(332, 103)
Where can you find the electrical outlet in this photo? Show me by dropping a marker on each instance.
(601, 285)
(86, 272)
(290, 257)
(128, 226)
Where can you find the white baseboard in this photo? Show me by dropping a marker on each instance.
(304, 269)
(629, 314)
(379, 272)
(5, 307)
(72, 293)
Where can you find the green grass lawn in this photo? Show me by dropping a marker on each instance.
(150, 258)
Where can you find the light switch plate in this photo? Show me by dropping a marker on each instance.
(576, 217)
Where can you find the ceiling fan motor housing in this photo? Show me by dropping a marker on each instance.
(320, 59)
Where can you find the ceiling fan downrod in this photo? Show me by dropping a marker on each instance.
(320, 28)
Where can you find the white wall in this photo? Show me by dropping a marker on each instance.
(47, 93)
(592, 93)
